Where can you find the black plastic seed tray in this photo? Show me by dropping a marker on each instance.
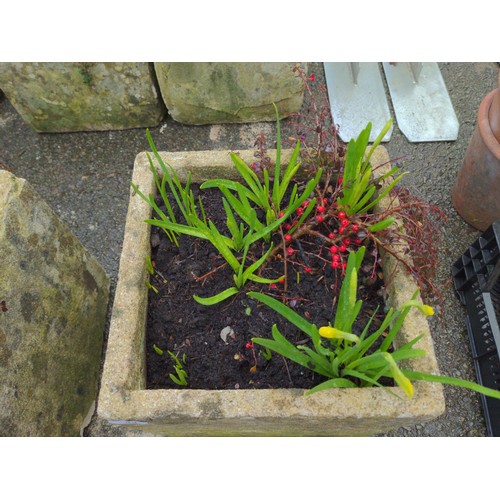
(476, 276)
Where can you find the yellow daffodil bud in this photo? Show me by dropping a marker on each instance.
(334, 333)
(398, 375)
(427, 310)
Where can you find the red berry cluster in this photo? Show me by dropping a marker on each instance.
(342, 233)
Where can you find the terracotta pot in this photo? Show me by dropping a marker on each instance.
(494, 113)
(475, 194)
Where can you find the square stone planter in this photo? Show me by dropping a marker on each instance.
(125, 407)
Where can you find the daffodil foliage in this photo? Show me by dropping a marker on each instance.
(349, 360)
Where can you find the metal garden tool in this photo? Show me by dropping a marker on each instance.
(357, 96)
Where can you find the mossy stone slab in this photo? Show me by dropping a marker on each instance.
(53, 305)
(201, 93)
(69, 97)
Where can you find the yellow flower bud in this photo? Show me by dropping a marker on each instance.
(328, 332)
(427, 310)
(334, 333)
(398, 375)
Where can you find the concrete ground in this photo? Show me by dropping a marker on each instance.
(85, 178)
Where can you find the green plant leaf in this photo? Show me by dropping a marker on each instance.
(251, 179)
(332, 383)
(318, 359)
(289, 174)
(285, 311)
(277, 166)
(401, 313)
(347, 296)
(215, 299)
(282, 346)
(158, 350)
(223, 246)
(384, 193)
(380, 226)
(265, 281)
(442, 379)
(378, 140)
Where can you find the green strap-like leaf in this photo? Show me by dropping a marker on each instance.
(281, 345)
(333, 383)
(442, 379)
(285, 311)
(380, 226)
(215, 299)
(318, 360)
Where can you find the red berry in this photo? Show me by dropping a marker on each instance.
(307, 269)
(319, 218)
(341, 215)
(299, 211)
(335, 264)
(320, 209)
(357, 241)
(333, 249)
(342, 248)
(282, 214)
(288, 237)
(288, 227)
(311, 77)
(340, 180)
(347, 241)
(345, 222)
(273, 285)
(331, 236)
(336, 257)
(249, 345)
(290, 251)
(344, 265)
(341, 230)
(354, 227)
(305, 203)
(325, 201)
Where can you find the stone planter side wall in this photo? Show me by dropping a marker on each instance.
(52, 323)
(69, 97)
(125, 407)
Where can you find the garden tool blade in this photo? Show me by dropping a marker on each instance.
(422, 106)
(357, 96)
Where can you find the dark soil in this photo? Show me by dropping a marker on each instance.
(179, 324)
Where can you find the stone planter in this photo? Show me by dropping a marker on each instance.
(70, 97)
(53, 307)
(198, 93)
(125, 407)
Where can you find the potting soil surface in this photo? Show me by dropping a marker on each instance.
(216, 339)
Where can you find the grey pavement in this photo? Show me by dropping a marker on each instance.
(84, 177)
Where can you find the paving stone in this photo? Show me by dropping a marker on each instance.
(53, 305)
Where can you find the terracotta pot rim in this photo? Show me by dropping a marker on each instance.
(483, 124)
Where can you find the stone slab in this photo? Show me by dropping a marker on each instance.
(201, 93)
(69, 97)
(54, 298)
(126, 407)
